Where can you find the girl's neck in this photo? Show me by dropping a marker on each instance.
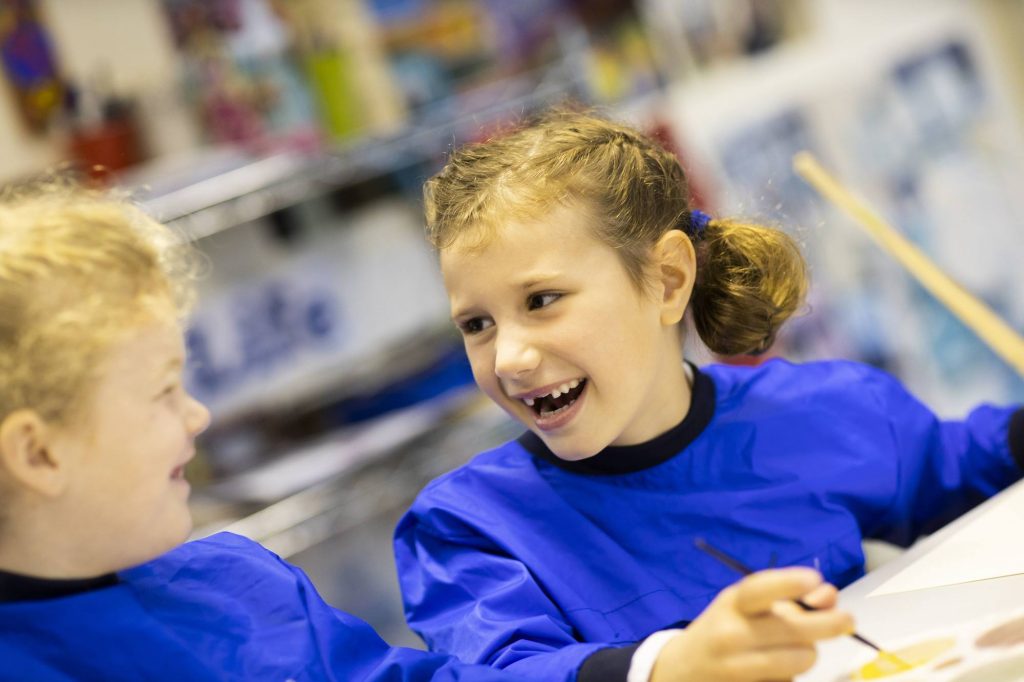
(44, 551)
(669, 401)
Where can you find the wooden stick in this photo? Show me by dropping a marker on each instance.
(979, 318)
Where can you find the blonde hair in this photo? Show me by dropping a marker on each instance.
(77, 269)
(750, 278)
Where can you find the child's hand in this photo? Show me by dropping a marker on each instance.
(754, 631)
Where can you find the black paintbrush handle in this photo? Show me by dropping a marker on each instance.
(740, 567)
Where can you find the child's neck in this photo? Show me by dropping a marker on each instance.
(44, 551)
(672, 397)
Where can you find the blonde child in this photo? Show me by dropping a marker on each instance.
(571, 253)
(95, 433)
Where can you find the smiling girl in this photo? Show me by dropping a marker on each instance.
(571, 253)
(95, 432)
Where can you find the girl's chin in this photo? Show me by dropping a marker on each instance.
(567, 451)
(573, 457)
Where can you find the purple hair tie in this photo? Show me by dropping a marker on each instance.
(698, 223)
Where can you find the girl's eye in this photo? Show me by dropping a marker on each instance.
(536, 301)
(168, 391)
(474, 325)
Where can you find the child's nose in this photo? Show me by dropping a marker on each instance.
(514, 355)
(197, 416)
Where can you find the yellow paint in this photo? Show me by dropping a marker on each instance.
(902, 660)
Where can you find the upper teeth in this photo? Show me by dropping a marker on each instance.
(561, 390)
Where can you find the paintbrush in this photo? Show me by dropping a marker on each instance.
(978, 317)
(740, 567)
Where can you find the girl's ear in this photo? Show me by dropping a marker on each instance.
(28, 456)
(675, 263)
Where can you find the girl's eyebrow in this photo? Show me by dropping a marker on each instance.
(533, 280)
(529, 281)
(173, 365)
(459, 313)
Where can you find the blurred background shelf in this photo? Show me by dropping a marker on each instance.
(212, 190)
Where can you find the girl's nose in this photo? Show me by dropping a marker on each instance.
(514, 356)
(197, 416)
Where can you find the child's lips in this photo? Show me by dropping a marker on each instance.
(563, 416)
(546, 390)
(178, 472)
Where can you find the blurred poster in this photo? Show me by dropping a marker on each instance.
(277, 326)
(29, 63)
(921, 140)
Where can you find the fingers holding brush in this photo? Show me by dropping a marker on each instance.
(824, 596)
(759, 591)
(754, 630)
(769, 601)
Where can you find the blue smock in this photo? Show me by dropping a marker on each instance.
(222, 608)
(523, 561)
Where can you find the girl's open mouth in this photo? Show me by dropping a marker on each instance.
(549, 405)
(558, 407)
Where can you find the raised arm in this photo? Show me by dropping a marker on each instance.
(943, 467)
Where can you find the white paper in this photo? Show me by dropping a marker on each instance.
(976, 552)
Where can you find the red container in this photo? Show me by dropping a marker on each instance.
(106, 148)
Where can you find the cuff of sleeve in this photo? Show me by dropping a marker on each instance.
(1016, 436)
(607, 665)
(642, 665)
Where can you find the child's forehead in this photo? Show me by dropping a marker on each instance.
(499, 228)
(150, 343)
(485, 239)
(524, 250)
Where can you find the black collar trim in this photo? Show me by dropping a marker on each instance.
(630, 458)
(15, 587)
